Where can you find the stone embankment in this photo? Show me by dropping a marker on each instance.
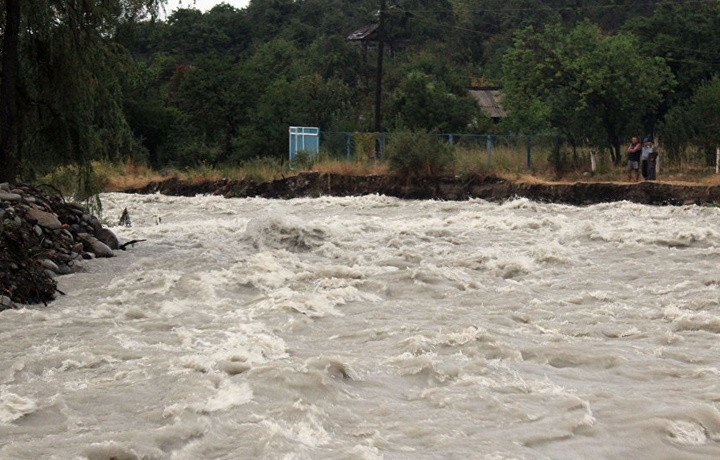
(445, 188)
(43, 236)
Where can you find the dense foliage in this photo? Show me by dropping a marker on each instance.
(583, 84)
(89, 79)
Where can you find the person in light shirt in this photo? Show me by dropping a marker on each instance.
(650, 155)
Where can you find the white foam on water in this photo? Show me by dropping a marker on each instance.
(13, 406)
(372, 327)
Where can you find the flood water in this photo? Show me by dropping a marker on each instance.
(375, 328)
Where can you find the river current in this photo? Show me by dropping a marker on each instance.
(375, 328)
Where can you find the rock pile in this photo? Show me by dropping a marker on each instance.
(43, 236)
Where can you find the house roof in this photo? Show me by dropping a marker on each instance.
(490, 100)
(363, 33)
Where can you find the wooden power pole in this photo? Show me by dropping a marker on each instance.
(378, 82)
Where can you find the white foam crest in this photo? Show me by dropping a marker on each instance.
(688, 320)
(85, 360)
(307, 429)
(421, 344)
(229, 395)
(172, 308)
(429, 366)
(362, 452)
(683, 286)
(313, 304)
(617, 207)
(217, 394)
(507, 264)
(284, 232)
(340, 272)
(267, 270)
(418, 345)
(334, 366)
(686, 433)
(677, 236)
(554, 252)
(116, 450)
(470, 219)
(14, 406)
(244, 344)
(432, 274)
(593, 297)
(500, 377)
(147, 282)
(519, 203)
(468, 335)
(363, 202)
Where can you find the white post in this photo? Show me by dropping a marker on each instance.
(717, 160)
(593, 161)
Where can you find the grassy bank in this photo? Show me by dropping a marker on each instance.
(508, 164)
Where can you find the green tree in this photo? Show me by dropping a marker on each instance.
(696, 121)
(582, 83)
(190, 34)
(430, 93)
(158, 126)
(61, 78)
(685, 35)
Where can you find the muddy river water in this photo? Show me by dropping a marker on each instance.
(375, 328)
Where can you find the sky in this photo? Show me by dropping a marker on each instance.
(202, 5)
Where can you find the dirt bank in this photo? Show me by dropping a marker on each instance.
(445, 188)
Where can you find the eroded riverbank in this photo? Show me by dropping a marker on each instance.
(489, 188)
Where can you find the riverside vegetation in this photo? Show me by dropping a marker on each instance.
(119, 82)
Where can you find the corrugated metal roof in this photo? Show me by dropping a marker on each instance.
(489, 100)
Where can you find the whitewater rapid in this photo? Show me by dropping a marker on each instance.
(375, 328)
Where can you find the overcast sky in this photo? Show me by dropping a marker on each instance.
(202, 5)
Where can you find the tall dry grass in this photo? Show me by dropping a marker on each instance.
(506, 162)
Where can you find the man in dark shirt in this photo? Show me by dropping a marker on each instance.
(634, 150)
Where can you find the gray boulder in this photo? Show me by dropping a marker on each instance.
(97, 247)
(44, 219)
(108, 237)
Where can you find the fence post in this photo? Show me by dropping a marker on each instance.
(717, 160)
(529, 143)
(452, 142)
(489, 148)
(349, 145)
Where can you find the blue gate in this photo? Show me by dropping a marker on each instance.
(304, 139)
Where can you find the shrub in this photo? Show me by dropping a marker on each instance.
(417, 155)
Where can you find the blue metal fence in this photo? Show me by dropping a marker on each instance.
(343, 143)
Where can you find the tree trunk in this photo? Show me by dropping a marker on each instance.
(8, 93)
(615, 149)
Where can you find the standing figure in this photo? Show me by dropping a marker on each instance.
(633, 151)
(652, 155)
(644, 162)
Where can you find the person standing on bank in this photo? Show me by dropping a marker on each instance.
(644, 156)
(652, 156)
(633, 151)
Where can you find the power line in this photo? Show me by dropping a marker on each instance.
(558, 8)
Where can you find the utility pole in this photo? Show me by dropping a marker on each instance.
(378, 82)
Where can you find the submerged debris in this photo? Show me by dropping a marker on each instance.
(41, 237)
